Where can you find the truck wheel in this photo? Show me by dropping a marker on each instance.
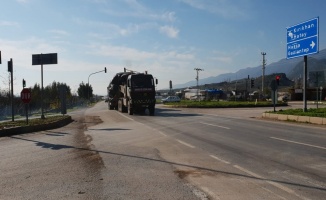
(130, 109)
(124, 108)
(119, 105)
(151, 111)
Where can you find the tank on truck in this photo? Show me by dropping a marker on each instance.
(134, 72)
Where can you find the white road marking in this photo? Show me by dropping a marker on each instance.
(215, 125)
(290, 141)
(219, 159)
(227, 117)
(125, 116)
(248, 172)
(286, 189)
(162, 133)
(186, 144)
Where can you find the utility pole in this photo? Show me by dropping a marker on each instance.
(197, 78)
(263, 77)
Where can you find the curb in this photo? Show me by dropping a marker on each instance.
(231, 106)
(30, 129)
(303, 119)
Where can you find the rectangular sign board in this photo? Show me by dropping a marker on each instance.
(302, 39)
(45, 59)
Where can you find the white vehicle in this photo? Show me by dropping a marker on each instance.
(197, 97)
(171, 99)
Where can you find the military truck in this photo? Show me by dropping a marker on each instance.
(132, 92)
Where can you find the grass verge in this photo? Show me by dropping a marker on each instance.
(32, 122)
(312, 112)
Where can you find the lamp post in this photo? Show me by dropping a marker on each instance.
(88, 80)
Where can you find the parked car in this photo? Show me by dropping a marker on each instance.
(171, 99)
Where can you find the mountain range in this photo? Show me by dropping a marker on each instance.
(293, 68)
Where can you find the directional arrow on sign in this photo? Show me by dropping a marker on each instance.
(312, 44)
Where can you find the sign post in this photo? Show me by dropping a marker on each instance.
(44, 59)
(26, 97)
(302, 40)
(274, 87)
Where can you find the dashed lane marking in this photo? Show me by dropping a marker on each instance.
(290, 141)
(162, 133)
(186, 144)
(219, 159)
(125, 116)
(214, 125)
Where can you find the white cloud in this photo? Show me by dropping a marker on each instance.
(22, 1)
(168, 16)
(169, 31)
(8, 23)
(223, 59)
(111, 29)
(59, 32)
(21, 51)
(132, 8)
(224, 8)
(126, 53)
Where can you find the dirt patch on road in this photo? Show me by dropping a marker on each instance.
(182, 174)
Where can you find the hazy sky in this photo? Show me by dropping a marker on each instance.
(168, 38)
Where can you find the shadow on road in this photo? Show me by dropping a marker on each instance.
(165, 112)
(59, 147)
(55, 133)
(111, 129)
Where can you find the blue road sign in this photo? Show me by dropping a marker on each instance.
(302, 39)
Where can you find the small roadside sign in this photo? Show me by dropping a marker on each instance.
(26, 95)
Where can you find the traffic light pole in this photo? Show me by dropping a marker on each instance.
(12, 90)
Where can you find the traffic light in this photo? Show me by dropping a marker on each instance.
(105, 69)
(0, 57)
(24, 83)
(252, 83)
(10, 66)
(170, 84)
(277, 80)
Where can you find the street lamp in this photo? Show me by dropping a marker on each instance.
(88, 80)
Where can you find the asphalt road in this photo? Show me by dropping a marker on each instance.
(177, 154)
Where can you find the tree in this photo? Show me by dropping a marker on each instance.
(51, 95)
(85, 91)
